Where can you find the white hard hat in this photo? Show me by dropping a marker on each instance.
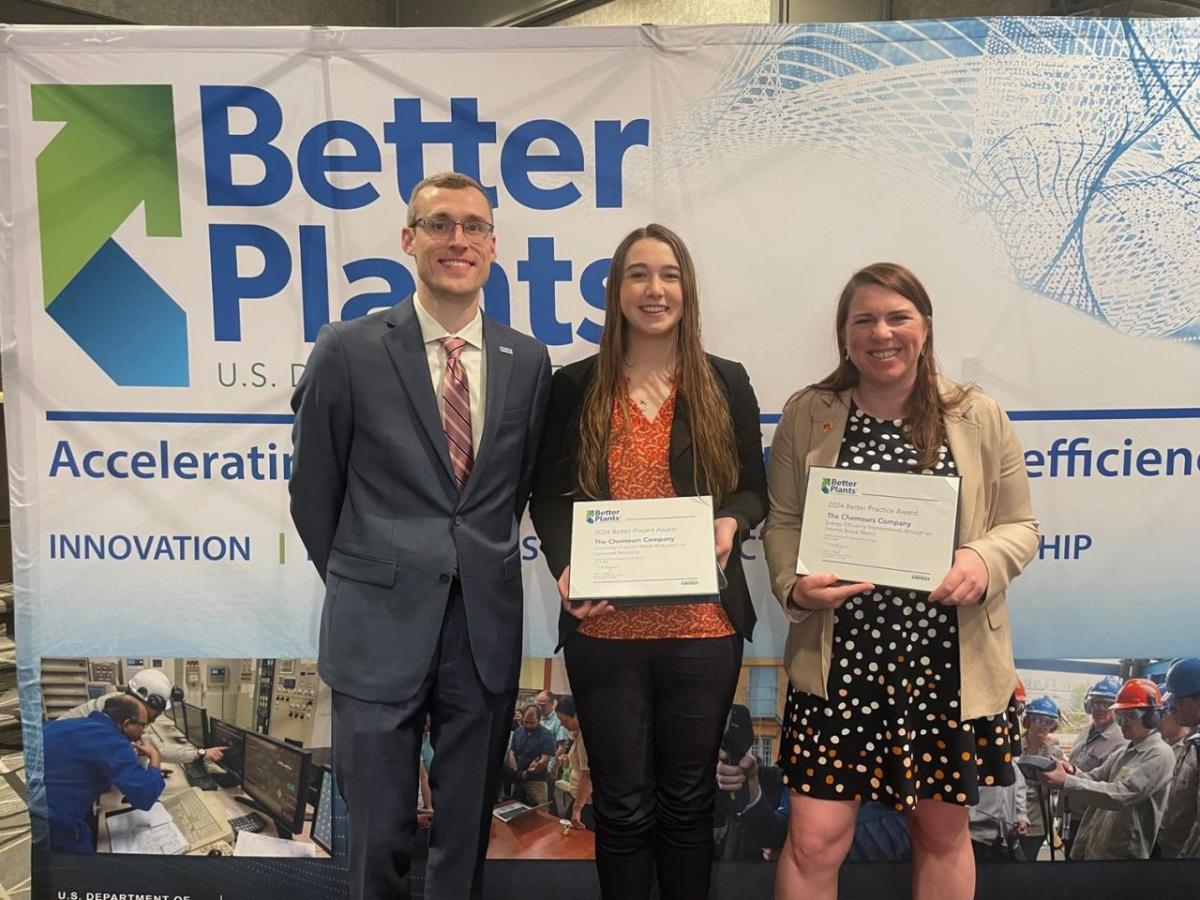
(153, 688)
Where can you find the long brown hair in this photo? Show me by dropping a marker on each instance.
(926, 404)
(715, 465)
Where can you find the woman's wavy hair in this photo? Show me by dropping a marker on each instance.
(927, 405)
(716, 467)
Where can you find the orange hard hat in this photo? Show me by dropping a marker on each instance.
(1020, 694)
(1138, 693)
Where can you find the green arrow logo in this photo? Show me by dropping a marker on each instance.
(116, 152)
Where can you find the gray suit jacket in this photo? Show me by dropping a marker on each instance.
(374, 500)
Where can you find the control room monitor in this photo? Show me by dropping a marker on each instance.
(231, 737)
(275, 776)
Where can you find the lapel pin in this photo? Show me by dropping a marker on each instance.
(827, 426)
(504, 349)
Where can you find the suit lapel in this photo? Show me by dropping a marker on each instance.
(499, 373)
(828, 427)
(963, 437)
(407, 351)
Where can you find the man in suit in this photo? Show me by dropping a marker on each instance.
(415, 437)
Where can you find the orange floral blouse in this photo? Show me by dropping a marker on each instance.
(639, 468)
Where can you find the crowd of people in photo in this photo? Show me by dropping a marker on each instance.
(1128, 787)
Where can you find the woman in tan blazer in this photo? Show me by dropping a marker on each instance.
(896, 696)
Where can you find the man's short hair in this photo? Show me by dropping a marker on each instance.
(528, 706)
(122, 708)
(454, 181)
(566, 706)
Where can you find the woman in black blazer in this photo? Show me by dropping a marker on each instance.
(652, 415)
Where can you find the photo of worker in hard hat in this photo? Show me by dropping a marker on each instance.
(1124, 798)
(1097, 742)
(1179, 834)
(154, 694)
(1042, 718)
(168, 756)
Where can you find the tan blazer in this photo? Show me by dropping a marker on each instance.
(995, 520)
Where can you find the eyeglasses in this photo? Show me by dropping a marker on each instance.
(441, 228)
(1043, 721)
(1127, 716)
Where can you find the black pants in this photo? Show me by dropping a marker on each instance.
(653, 713)
(376, 747)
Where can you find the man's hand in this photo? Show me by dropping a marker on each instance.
(147, 749)
(1056, 777)
(725, 530)
(214, 754)
(1021, 829)
(731, 778)
(577, 822)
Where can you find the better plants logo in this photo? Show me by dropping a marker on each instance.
(600, 516)
(839, 486)
(114, 153)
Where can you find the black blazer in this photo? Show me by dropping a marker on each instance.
(555, 483)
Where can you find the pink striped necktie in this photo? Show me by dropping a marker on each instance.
(456, 411)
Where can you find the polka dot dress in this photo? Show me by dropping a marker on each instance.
(890, 730)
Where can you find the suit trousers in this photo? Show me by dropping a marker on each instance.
(653, 713)
(376, 751)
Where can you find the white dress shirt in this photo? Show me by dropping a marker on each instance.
(473, 358)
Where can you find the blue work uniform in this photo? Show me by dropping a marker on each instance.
(82, 758)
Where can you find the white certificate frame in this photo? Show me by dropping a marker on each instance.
(892, 529)
(659, 550)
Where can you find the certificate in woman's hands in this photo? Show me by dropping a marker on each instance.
(888, 528)
(654, 551)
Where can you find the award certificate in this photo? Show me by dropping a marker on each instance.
(891, 529)
(658, 550)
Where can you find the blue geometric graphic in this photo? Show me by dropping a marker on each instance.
(1076, 140)
(124, 321)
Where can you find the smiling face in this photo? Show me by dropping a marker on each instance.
(652, 289)
(884, 335)
(452, 269)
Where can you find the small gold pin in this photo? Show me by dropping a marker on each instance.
(827, 426)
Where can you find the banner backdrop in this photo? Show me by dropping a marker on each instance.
(183, 210)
